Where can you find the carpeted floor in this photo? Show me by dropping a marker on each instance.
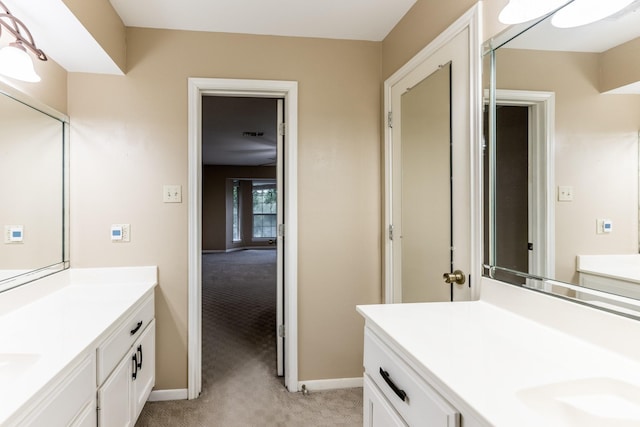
(240, 387)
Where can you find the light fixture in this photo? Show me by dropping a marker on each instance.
(519, 11)
(583, 12)
(14, 59)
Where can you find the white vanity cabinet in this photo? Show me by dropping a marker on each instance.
(77, 349)
(126, 368)
(378, 412)
(394, 394)
(71, 401)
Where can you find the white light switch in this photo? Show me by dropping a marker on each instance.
(565, 193)
(172, 194)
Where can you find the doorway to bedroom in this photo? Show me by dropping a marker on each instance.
(242, 192)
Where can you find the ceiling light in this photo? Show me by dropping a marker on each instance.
(14, 60)
(518, 11)
(583, 12)
(15, 63)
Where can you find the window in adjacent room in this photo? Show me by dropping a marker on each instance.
(236, 210)
(264, 209)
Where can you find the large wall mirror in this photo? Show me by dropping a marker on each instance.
(33, 177)
(562, 121)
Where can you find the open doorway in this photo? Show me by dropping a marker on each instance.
(524, 194)
(284, 93)
(241, 281)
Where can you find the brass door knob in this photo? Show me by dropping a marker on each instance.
(455, 277)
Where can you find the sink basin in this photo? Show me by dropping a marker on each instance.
(586, 402)
(14, 365)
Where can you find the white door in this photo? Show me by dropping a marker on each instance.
(280, 241)
(430, 150)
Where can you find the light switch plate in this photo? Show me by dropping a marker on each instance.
(172, 194)
(565, 193)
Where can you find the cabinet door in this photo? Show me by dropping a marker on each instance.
(68, 399)
(87, 417)
(144, 351)
(114, 397)
(378, 412)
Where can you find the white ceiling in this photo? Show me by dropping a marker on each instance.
(335, 19)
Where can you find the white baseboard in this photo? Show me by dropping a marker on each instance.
(162, 395)
(332, 384)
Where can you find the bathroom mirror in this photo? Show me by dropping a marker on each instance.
(562, 121)
(33, 212)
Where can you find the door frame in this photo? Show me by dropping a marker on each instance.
(541, 193)
(471, 21)
(249, 88)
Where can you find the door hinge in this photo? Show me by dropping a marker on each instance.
(390, 119)
(390, 232)
(281, 331)
(280, 230)
(282, 128)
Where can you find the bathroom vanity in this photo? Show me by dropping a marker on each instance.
(77, 348)
(513, 358)
(616, 274)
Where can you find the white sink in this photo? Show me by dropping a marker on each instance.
(588, 402)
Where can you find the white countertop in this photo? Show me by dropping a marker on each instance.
(44, 332)
(621, 267)
(508, 369)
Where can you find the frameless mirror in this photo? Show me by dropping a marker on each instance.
(562, 119)
(33, 210)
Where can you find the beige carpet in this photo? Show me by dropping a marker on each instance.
(240, 386)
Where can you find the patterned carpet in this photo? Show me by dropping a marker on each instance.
(240, 387)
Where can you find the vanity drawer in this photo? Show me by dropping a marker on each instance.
(110, 352)
(410, 396)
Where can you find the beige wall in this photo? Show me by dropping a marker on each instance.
(596, 151)
(215, 204)
(50, 91)
(129, 137)
(620, 66)
(425, 21)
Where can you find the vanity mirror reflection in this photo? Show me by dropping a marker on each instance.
(562, 121)
(33, 210)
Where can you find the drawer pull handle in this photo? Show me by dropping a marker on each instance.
(139, 353)
(134, 374)
(137, 328)
(400, 393)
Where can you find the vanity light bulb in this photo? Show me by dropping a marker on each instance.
(518, 11)
(583, 12)
(16, 63)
